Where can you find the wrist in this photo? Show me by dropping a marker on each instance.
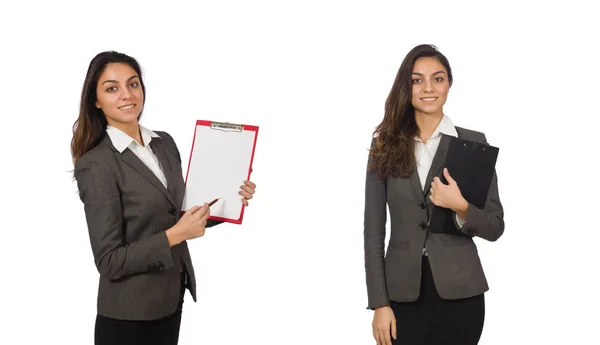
(462, 208)
(174, 236)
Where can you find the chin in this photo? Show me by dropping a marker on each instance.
(126, 120)
(428, 110)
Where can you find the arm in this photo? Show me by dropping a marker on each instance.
(487, 223)
(374, 237)
(114, 259)
(171, 142)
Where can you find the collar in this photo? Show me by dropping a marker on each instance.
(446, 126)
(122, 140)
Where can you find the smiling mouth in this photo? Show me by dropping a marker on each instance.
(127, 107)
(428, 99)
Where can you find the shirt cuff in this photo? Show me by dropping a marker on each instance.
(459, 221)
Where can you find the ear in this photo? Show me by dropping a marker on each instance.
(97, 105)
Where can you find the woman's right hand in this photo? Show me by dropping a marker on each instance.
(384, 324)
(191, 225)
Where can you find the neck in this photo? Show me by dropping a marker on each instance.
(131, 129)
(427, 124)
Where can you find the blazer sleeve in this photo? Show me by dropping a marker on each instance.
(374, 238)
(487, 223)
(171, 141)
(101, 197)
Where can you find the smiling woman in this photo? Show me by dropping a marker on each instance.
(131, 184)
(426, 288)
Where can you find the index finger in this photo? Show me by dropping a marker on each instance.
(250, 184)
(201, 210)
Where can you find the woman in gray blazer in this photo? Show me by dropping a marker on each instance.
(426, 288)
(131, 183)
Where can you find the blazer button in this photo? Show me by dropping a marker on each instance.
(172, 211)
(422, 206)
(423, 226)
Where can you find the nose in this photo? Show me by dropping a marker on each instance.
(428, 86)
(125, 94)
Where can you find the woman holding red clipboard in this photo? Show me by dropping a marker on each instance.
(131, 183)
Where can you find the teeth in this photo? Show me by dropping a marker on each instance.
(429, 99)
(127, 107)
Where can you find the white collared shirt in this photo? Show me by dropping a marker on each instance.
(424, 153)
(122, 140)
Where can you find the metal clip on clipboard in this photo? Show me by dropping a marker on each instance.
(226, 126)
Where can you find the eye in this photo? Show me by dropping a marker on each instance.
(439, 79)
(111, 89)
(415, 81)
(134, 84)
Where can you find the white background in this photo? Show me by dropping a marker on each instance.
(314, 76)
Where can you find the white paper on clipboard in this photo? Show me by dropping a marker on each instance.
(220, 161)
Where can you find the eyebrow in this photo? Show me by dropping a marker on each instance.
(438, 72)
(114, 81)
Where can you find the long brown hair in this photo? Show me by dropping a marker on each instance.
(90, 127)
(394, 151)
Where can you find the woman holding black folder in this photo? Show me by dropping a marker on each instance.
(131, 184)
(428, 287)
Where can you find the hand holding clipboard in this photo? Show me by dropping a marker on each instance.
(468, 170)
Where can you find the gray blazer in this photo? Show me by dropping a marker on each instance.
(455, 263)
(127, 210)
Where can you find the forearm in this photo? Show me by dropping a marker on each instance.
(484, 224)
(151, 254)
(487, 223)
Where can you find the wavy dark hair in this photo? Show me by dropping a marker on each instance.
(394, 151)
(90, 127)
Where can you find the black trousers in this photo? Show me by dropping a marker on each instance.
(432, 320)
(164, 331)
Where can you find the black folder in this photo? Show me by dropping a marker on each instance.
(471, 165)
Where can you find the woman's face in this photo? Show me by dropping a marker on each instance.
(430, 86)
(119, 94)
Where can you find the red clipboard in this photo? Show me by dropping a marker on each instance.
(220, 160)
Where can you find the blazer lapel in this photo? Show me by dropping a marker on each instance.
(438, 161)
(129, 158)
(159, 150)
(133, 161)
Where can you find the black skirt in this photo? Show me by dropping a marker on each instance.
(432, 320)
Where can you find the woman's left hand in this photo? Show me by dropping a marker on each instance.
(447, 195)
(247, 191)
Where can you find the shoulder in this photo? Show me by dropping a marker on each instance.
(165, 136)
(471, 135)
(95, 167)
(98, 155)
(169, 142)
